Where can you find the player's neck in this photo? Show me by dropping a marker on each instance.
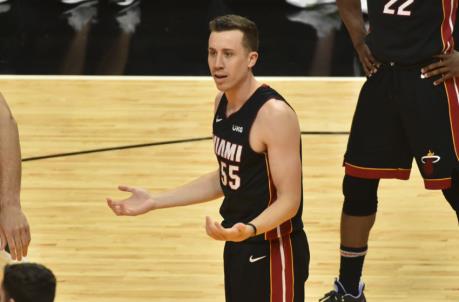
(240, 94)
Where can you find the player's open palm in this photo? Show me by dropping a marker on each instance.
(139, 202)
(236, 233)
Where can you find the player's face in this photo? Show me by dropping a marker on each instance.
(229, 61)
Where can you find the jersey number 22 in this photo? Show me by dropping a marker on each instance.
(402, 9)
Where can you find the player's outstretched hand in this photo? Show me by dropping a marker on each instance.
(238, 232)
(369, 63)
(14, 231)
(139, 202)
(447, 68)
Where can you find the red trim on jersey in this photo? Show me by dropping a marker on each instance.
(437, 184)
(286, 227)
(375, 173)
(281, 270)
(447, 25)
(452, 92)
(289, 278)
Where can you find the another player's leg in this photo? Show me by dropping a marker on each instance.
(357, 219)
(377, 148)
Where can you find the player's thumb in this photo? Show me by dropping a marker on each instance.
(240, 227)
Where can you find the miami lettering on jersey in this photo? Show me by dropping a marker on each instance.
(227, 149)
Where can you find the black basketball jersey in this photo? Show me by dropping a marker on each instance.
(244, 174)
(410, 31)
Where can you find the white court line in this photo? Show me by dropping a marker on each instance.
(172, 78)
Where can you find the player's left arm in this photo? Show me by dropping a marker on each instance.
(14, 228)
(278, 128)
(447, 67)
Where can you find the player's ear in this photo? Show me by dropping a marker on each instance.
(253, 57)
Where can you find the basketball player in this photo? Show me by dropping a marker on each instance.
(257, 143)
(14, 228)
(408, 108)
(27, 282)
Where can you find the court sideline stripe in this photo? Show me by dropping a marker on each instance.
(188, 140)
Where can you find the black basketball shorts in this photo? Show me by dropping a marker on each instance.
(267, 270)
(400, 116)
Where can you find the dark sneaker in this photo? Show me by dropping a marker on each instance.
(339, 294)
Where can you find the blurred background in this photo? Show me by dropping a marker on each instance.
(165, 37)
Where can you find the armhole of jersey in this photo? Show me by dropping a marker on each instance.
(251, 126)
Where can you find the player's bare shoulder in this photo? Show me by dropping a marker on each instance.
(276, 122)
(275, 113)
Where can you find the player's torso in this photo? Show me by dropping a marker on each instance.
(244, 173)
(410, 31)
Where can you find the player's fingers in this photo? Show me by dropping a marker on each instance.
(18, 242)
(125, 188)
(214, 230)
(112, 204)
(116, 208)
(3, 238)
(25, 237)
(442, 56)
(370, 61)
(374, 63)
(217, 231)
(119, 210)
(209, 228)
(371, 65)
(435, 72)
(12, 246)
(367, 66)
(443, 78)
(432, 67)
(221, 232)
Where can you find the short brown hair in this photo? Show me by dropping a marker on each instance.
(235, 22)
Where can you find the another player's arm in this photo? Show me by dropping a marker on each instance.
(14, 228)
(277, 128)
(351, 14)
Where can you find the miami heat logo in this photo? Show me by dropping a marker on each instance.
(428, 161)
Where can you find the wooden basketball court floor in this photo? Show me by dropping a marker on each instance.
(166, 255)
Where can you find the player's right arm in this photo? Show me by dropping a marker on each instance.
(204, 188)
(351, 14)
